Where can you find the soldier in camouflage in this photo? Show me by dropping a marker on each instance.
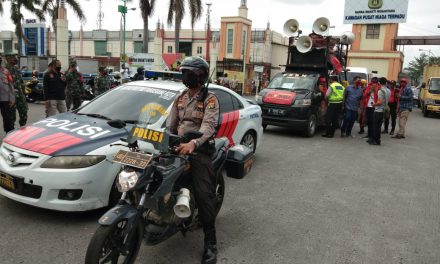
(198, 110)
(74, 86)
(19, 87)
(103, 82)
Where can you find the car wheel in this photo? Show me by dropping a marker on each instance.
(311, 126)
(249, 140)
(425, 112)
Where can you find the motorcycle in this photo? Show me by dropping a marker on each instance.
(34, 91)
(157, 196)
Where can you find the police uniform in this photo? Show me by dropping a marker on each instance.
(7, 98)
(102, 84)
(199, 113)
(335, 96)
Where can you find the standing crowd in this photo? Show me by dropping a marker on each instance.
(373, 104)
(62, 90)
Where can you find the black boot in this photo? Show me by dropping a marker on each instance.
(209, 254)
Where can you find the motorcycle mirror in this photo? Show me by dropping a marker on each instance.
(190, 135)
(116, 123)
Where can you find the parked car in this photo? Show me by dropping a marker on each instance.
(64, 162)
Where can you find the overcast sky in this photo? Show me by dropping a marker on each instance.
(422, 16)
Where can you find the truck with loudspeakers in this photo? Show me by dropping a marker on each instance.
(295, 98)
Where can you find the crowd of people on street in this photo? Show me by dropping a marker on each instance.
(63, 91)
(373, 104)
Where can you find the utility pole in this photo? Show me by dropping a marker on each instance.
(208, 30)
(123, 11)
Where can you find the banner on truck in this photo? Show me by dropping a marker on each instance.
(375, 11)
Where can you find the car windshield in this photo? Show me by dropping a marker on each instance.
(131, 104)
(291, 81)
(435, 85)
(351, 75)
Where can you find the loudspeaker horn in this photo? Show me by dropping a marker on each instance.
(347, 37)
(181, 208)
(291, 27)
(304, 44)
(321, 26)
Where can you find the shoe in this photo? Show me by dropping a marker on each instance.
(209, 255)
(398, 136)
(374, 143)
(384, 132)
(391, 133)
(361, 131)
(369, 141)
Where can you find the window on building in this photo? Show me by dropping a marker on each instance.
(373, 31)
(170, 49)
(230, 40)
(1, 46)
(199, 50)
(138, 46)
(257, 36)
(8, 46)
(100, 48)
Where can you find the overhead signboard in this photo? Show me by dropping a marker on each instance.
(375, 11)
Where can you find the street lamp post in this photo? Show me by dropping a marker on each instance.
(123, 10)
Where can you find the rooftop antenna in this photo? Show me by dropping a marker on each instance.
(100, 15)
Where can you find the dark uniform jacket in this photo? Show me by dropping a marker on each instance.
(54, 86)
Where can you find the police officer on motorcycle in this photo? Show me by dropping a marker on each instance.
(198, 110)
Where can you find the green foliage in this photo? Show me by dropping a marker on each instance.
(415, 68)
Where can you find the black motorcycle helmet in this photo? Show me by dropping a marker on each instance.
(194, 67)
(140, 70)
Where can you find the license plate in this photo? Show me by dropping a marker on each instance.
(7, 181)
(273, 111)
(133, 159)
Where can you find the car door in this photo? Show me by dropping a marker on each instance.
(229, 115)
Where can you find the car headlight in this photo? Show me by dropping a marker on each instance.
(259, 99)
(303, 102)
(127, 180)
(429, 101)
(72, 162)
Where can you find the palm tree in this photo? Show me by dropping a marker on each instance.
(17, 16)
(147, 8)
(176, 12)
(51, 8)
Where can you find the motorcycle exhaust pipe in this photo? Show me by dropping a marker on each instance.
(181, 208)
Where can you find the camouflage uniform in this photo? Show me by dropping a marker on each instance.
(74, 89)
(20, 102)
(102, 84)
(200, 113)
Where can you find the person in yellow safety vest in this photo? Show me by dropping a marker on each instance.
(335, 98)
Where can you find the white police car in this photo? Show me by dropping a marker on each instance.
(64, 162)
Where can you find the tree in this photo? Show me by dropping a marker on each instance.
(147, 8)
(17, 16)
(417, 65)
(51, 8)
(176, 12)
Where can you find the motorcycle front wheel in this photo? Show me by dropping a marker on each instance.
(219, 192)
(107, 242)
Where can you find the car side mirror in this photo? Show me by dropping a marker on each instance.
(116, 123)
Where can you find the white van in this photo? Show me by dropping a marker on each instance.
(356, 71)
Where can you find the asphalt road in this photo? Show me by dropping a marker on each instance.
(307, 200)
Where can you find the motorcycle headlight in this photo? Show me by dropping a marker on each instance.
(303, 102)
(429, 101)
(72, 162)
(127, 180)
